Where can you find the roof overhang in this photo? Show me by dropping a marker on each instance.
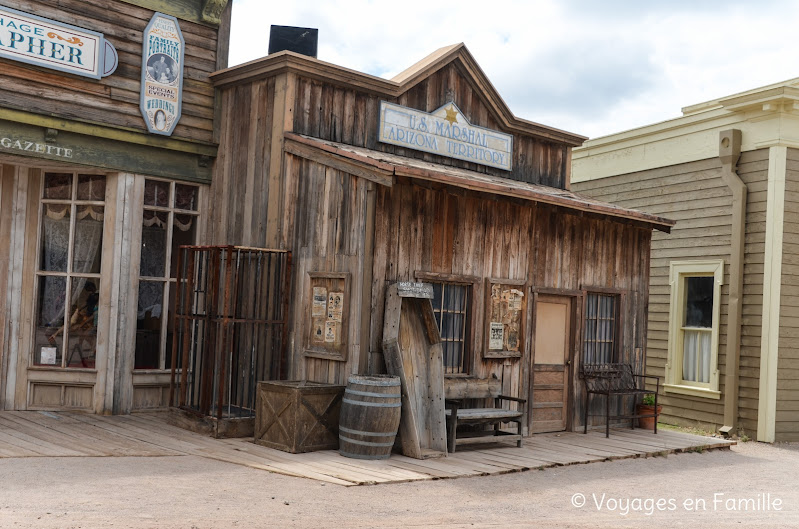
(382, 168)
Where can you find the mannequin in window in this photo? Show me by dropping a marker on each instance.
(84, 317)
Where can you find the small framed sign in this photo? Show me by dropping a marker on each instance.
(505, 309)
(327, 318)
(162, 74)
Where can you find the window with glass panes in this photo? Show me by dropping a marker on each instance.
(169, 220)
(72, 212)
(452, 309)
(599, 336)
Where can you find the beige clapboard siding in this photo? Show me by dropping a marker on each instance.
(787, 417)
(113, 100)
(696, 197)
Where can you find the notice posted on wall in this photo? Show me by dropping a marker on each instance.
(335, 306)
(319, 302)
(331, 331)
(496, 336)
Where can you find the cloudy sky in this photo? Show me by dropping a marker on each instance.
(592, 67)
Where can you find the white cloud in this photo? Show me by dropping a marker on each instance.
(589, 67)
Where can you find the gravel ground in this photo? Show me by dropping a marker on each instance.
(752, 485)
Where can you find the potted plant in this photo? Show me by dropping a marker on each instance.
(647, 407)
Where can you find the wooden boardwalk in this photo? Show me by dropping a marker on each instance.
(73, 434)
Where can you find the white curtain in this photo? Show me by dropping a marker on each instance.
(696, 355)
(86, 248)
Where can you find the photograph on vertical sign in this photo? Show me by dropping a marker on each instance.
(162, 74)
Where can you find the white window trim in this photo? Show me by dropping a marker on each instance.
(677, 271)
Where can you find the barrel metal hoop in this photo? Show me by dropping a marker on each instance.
(372, 434)
(363, 456)
(372, 404)
(374, 381)
(364, 443)
(368, 394)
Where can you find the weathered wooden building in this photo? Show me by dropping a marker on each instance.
(723, 286)
(429, 177)
(107, 143)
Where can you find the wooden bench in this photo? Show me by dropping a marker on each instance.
(456, 390)
(616, 379)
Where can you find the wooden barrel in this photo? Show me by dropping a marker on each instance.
(370, 416)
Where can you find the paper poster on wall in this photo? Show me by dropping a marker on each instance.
(319, 302)
(326, 328)
(505, 307)
(318, 332)
(335, 305)
(496, 336)
(331, 331)
(514, 298)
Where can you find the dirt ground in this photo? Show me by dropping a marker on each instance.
(752, 485)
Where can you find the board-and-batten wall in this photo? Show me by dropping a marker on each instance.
(319, 213)
(113, 100)
(451, 232)
(335, 113)
(695, 195)
(787, 427)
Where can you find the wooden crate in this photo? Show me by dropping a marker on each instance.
(297, 416)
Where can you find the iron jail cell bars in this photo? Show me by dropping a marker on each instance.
(72, 213)
(169, 220)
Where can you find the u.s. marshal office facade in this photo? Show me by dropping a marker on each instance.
(107, 144)
(429, 177)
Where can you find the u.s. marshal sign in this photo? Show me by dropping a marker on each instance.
(162, 74)
(43, 42)
(446, 132)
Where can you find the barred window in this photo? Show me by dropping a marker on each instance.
(452, 309)
(599, 338)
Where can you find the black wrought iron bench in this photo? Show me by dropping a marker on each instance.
(616, 379)
(458, 389)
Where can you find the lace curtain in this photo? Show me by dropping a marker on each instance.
(696, 356)
(86, 249)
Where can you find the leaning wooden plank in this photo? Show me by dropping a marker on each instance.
(412, 353)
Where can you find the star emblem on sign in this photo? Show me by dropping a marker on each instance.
(452, 115)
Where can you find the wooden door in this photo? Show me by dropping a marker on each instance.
(551, 364)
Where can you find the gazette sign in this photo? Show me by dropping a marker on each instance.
(50, 44)
(446, 132)
(162, 74)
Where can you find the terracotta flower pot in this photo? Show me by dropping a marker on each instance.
(647, 423)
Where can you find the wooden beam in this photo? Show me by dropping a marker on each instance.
(104, 152)
(378, 176)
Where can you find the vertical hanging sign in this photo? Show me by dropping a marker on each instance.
(162, 74)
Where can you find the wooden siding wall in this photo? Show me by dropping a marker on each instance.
(445, 231)
(240, 188)
(787, 427)
(345, 115)
(113, 100)
(695, 196)
(7, 193)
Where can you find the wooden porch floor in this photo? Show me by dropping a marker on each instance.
(73, 434)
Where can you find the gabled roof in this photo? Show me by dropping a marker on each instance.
(457, 53)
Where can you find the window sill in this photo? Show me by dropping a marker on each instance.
(692, 391)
